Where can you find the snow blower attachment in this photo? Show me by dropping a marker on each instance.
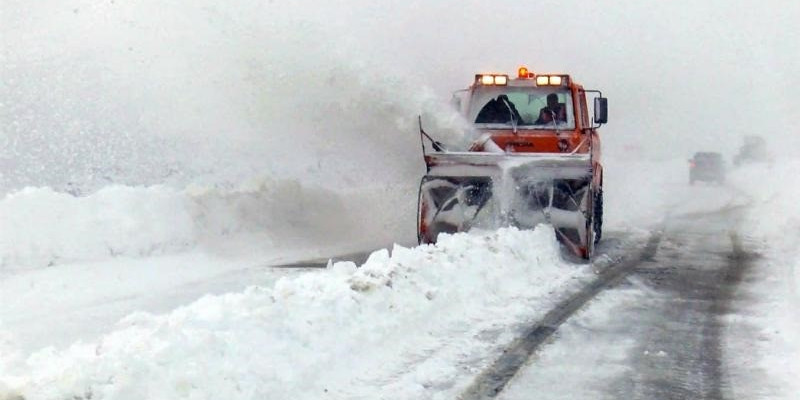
(535, 159)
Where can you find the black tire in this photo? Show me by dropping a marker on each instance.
(419, 210)
(597, 224)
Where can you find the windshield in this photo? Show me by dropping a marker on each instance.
(527, 107)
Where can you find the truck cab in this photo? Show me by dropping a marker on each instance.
(514, 113)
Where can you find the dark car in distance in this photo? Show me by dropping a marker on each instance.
(706, 166)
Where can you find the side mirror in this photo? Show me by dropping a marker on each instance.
(600, 110)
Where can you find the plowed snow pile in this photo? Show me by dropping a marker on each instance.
(404, 323)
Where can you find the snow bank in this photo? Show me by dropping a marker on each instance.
(42, 227)
(774, 218)
(345, 332)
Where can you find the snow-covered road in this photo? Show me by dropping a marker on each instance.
(659, 334)
(419, 322)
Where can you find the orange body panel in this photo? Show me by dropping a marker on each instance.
(539, 142)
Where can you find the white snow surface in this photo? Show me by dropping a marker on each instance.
(413, 322)
(42, 227)
(774, 218)
(410, 322)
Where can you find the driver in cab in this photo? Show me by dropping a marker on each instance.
(554, 111)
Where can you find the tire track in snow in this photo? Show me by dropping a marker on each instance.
(739, 262)
(493, 380)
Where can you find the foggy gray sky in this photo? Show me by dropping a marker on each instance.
(679, 74)
(343, 81)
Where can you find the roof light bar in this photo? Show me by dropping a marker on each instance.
(550, 80)
(490, 79)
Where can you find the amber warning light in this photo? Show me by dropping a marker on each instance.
(524, 73)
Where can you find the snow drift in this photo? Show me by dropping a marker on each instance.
(42, 227)
(345, 332)
(774, 219)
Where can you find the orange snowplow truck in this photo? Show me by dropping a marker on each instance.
(533, 157)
